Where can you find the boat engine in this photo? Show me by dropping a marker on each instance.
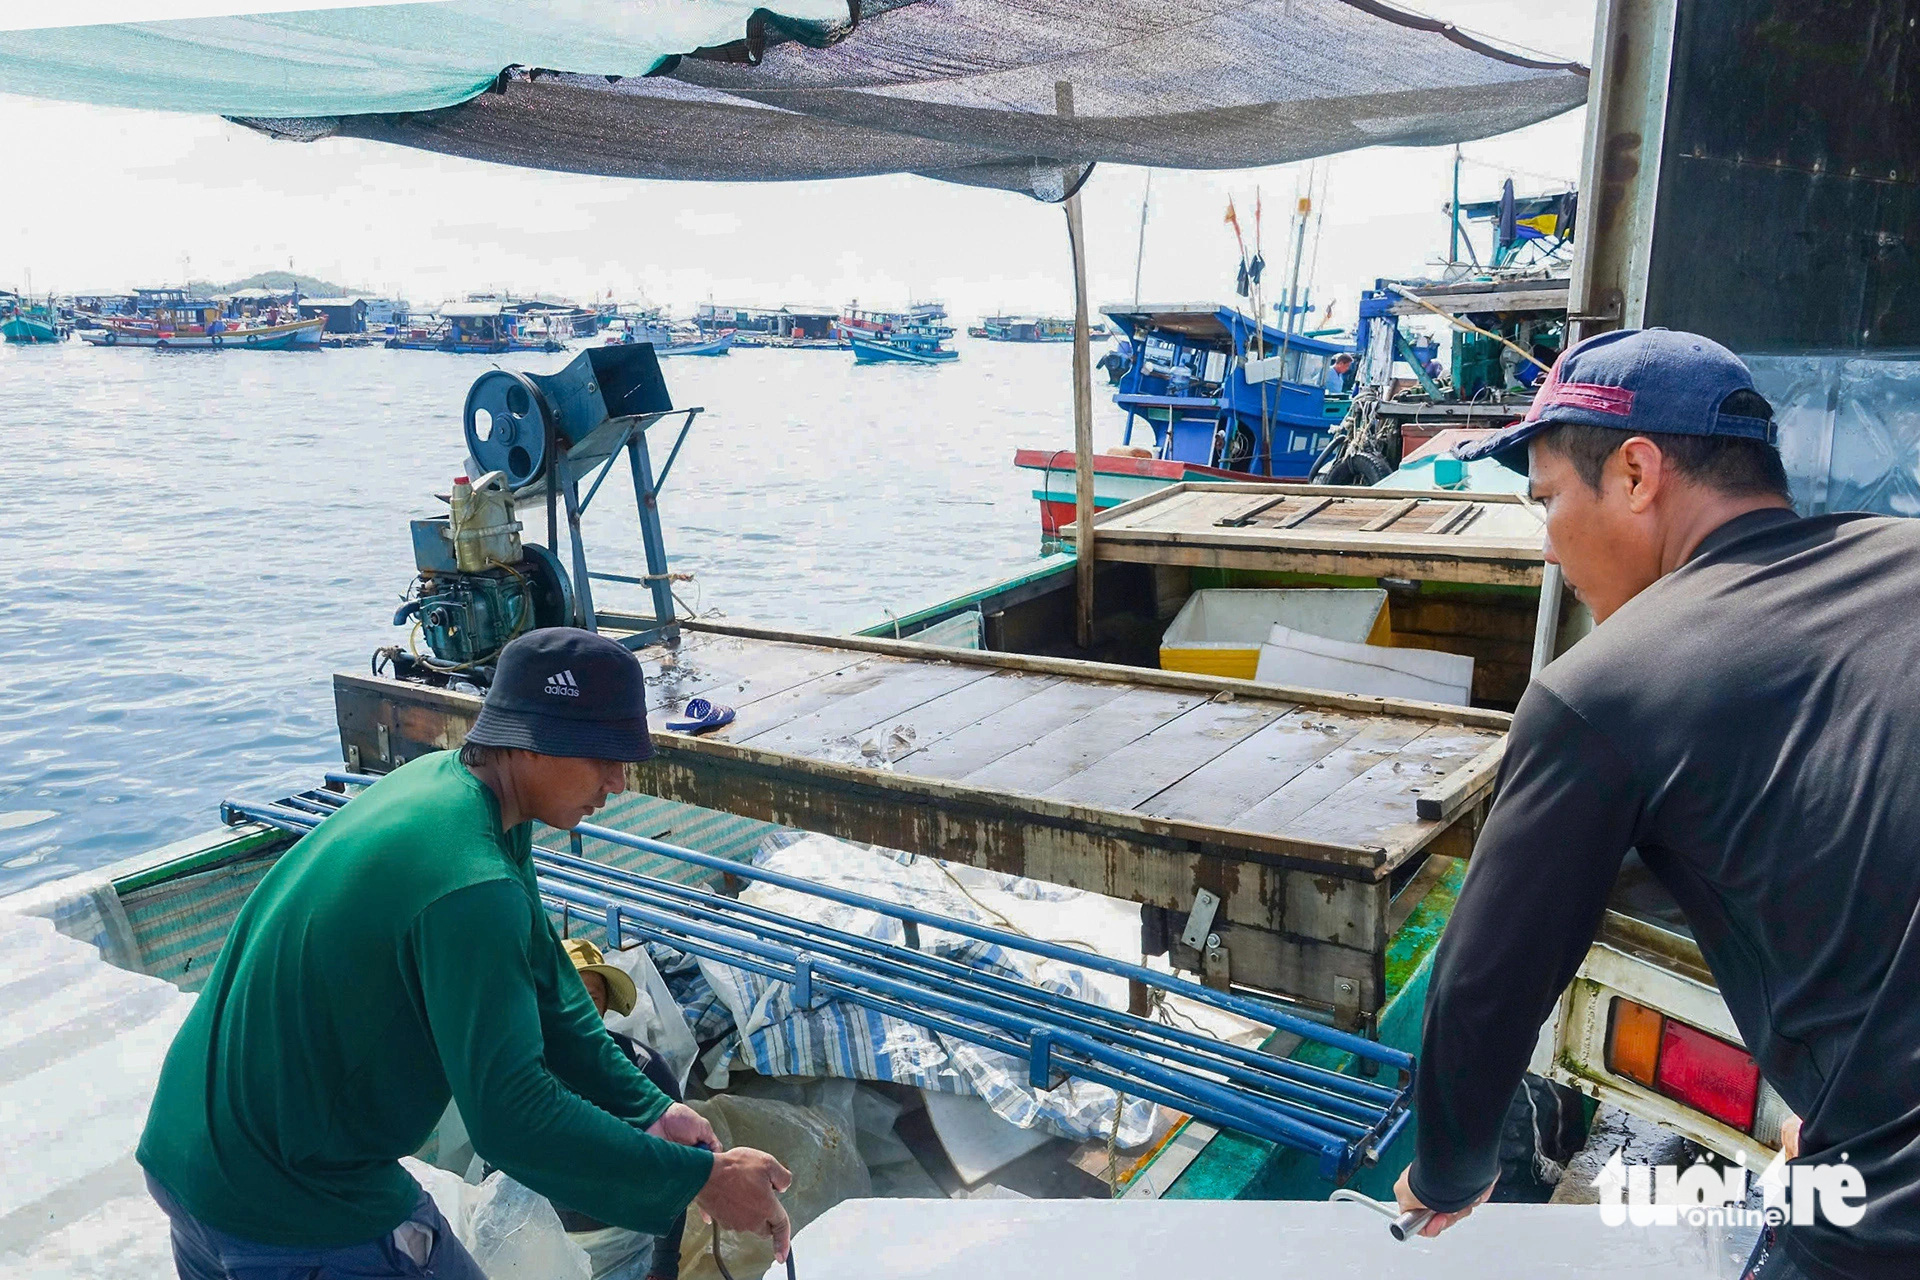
(536, 438)
(479, 586)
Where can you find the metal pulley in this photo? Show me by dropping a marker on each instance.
(508, 427)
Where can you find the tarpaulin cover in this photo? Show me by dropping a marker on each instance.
(964, 90)
(409, 57)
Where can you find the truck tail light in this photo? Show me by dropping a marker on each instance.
(1688, 1065)
(1633, 1042)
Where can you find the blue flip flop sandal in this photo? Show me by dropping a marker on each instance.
(699, 716)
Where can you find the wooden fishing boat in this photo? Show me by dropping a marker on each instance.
(215, 335)
(33, 326)
(906, 344)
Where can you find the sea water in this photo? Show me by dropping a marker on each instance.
(192, 543)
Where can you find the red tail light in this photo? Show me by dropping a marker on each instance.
(1708, 1075)
(1687, 1065)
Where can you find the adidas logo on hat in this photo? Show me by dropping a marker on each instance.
(563, 685)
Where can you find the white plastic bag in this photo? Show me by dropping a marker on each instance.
(656, 1021)
(511, 1230)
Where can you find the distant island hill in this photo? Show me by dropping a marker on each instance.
(279, 282)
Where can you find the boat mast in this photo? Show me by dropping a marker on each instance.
(1082, 401)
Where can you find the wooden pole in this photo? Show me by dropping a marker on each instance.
(1082, 403)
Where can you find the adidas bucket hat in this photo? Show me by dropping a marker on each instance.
(561, 691)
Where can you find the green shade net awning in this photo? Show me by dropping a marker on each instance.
(962, 90)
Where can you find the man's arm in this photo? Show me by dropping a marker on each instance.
(1565, 815)
(469, 949)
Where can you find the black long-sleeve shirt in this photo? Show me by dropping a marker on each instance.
(1750, 723)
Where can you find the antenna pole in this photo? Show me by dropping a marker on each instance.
(1140, 253)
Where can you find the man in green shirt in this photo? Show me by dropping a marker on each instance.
(399, 957)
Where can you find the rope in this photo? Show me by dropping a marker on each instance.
(1457, 322)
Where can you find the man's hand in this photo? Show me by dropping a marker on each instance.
(1790, 1137)
(681, 1124)
(742, 1195)
(1403, 1192)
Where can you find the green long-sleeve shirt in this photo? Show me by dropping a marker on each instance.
(395, 958)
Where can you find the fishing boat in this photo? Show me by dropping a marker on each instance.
(31, 324)
(1212, 391)
(912, 343)
(164, 333)
(484, 328)
(1028, 329)
(1221, 390)
(668, 338)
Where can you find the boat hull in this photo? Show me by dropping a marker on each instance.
(712, 347)
(26, 332)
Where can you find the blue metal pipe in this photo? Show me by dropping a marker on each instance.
(1336, 1155)
(1312, 1087)
(667, 893)
(1359, 1046)
(1031, 1005)
(1270, 1121)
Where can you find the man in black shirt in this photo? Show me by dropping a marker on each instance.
(1746, 716)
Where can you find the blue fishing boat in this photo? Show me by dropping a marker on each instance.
(1221, 390)
(905, 344)
(30, 323)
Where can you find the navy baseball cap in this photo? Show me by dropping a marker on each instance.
(1646, 381)
(562, 691)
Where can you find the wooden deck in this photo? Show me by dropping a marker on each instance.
(1295, 807)
(1491, 538)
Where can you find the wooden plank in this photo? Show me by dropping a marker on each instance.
(1381, 804)
(1462, 787)
(835, 726)
(1239, 516)
(1181, 747)
(808, 696)
(1513, 548)
(1359, 562)
(1305, 514)
(1391, 514)
(1109, 673)
(1257, 766)
(934, 722)
(1045, 762)
(1447, 516)
(1281, 811)
(994, 735)
(735, 672)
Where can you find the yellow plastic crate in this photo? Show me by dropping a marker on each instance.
(1219, 632)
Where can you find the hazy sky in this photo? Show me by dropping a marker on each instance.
(105, 199)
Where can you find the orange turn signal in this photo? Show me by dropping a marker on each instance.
(1633, 1041)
